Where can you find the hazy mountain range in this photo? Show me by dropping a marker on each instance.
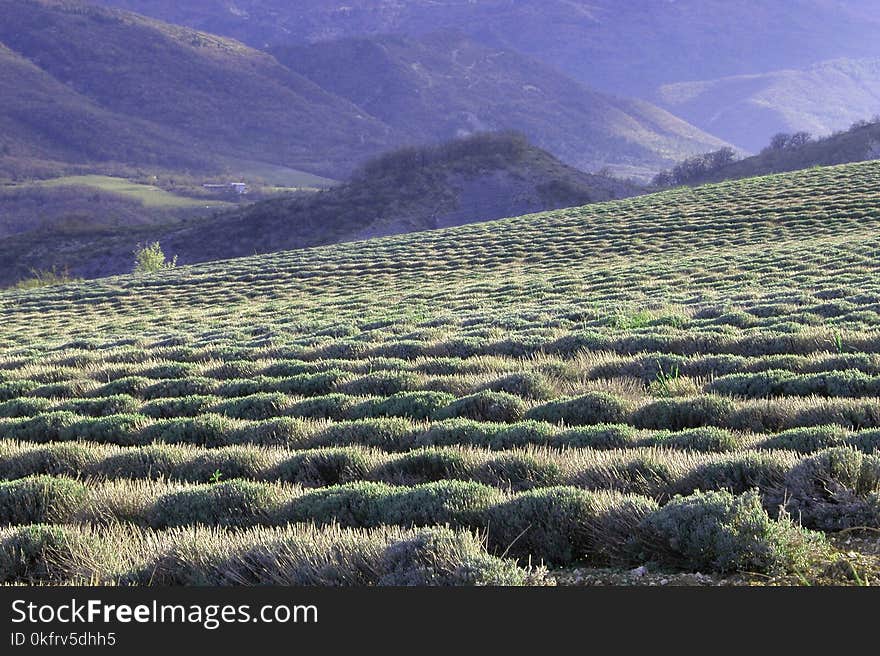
(631, 48)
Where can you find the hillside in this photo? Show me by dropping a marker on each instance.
(444, 85)
(93, 90)
(474, 179)
(114, 86)
(621, 47)
(794, 152)
(481, 398)
(45, 126)
(747, 110)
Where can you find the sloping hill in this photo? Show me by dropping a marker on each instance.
(621, 47)
(45, 124)
(444, 85)
(549, 383)
(475, 179)
(861, 142)
(215, 96)
(747, 110)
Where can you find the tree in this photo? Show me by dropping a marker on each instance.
(696, 169)
(779, 141)
(151, 258)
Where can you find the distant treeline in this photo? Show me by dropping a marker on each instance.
(785, 152)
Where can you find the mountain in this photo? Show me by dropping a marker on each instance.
(47, 126)
(622, 47)
(149, 85)
(479, 178)
(748, 109)
(87, 84)
(444, 85)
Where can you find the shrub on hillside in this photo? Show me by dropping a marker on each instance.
(414, 405)
(425, 465)
(565, 525)
(529, 385)
(496, 407)
(808, 439)
(40, 554)
(255, 407)
(706, 438)
(40, 499)
(386, 433)
(600, 436)
(324, 467)
(835, 489)
(717, 531)
(231, 503)
(678, 414)
(151, 258)
(737, 473)
(589, 409)
(24, 407)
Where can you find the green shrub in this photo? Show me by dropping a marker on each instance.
(49, 427)
(121, 404)
(14, 389)
(207, 430)
(565, 525)
(357, 505)
(61, 459)
(324, 467)
(717, 531)
(179, 387)
(231, 503)
(737, 473)
(130, 385)
(316, 384)
(156, 461)
(519, 471)
(230, 462)
(281, 431)
(330, 406)
(589, 409)
(600, 436)
(40, 499)
(123, 430)
(150, 258)
(186, 406)
(440, 556)
(496, 407)
(867, 441)
(707, 439)
(530, 386)
(382, 383)
(835, 489)
(463, 432)
(24, 407)
(459, 503)
(414, 405)
(388, 434)
(807, 440)
(255, 407)
(676, 415)
(39, 554)
(425, 465)
(68, 389)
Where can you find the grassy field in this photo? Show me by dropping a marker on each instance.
(148, 195)
(683, 387)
